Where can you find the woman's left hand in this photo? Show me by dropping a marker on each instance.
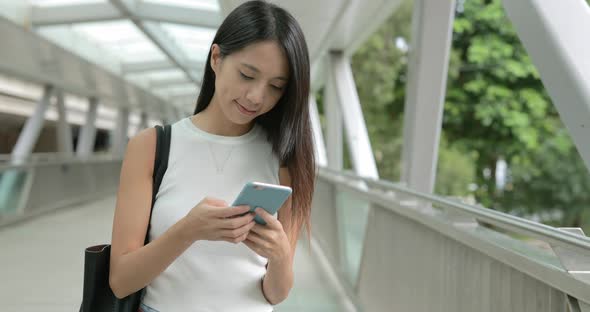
(269, 241)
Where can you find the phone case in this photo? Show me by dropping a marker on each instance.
(270, 197)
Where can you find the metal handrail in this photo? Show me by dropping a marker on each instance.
(41, 156)
(502, 220)
(51, 159)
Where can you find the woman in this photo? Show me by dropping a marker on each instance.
(251, 123)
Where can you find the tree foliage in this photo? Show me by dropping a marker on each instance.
(495, 107)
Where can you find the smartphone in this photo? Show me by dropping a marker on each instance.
(269, 197)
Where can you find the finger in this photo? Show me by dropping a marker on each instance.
(229, 212)
(257, 239)
(260, 229)
(253, 246)
(235, 233)
(216, 202)
(236, 240)
(249, 244)
(267, 217)
(237, 222)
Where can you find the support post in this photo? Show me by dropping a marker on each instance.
(334, 140)
(357, 137)
(432, 25)
(32, 129)
(318, 137)
(64, 131)
(88, 133)
(120, 134)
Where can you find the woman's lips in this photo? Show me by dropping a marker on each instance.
(245, 111)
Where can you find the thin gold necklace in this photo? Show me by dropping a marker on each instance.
(217, 167)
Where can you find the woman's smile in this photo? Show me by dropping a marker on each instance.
(245, 111)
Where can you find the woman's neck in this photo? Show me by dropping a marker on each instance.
(213, 120)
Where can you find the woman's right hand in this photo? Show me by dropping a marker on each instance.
(212, 219)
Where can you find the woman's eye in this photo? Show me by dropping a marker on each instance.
(277, 88)
(246, 77)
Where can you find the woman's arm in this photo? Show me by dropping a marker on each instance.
(278, 281)
(133, 266)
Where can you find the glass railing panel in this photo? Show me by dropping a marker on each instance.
(352, 218)
(12, 187)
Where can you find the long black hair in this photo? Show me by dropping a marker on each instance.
(288, 123)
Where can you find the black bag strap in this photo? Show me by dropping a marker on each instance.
(160, 166)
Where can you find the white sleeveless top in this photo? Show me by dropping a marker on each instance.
(210, 275)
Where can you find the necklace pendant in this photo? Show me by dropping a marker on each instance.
(219, 168)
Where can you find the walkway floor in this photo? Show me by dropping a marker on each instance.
(41, 263)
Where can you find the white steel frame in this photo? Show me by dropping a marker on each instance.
(359, 145)
(432, 24)
(555, 35)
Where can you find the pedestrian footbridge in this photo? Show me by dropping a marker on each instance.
(376, 245)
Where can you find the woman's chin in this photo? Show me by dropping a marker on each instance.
(241, 120)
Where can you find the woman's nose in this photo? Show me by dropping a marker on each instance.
(256, 94)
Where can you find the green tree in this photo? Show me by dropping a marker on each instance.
(378, 72)
(379, 68)
(495, 107)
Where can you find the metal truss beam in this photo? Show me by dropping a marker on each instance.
(555, 35)
(432, 25)
(96, 12)
(158, 37)
(157, 65)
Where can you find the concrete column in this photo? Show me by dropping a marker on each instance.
(9, 180)
(64, 131)
(30, 133)
(120, 133)
(143, 120)
(88, 133)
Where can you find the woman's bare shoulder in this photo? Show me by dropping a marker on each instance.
(141, 149)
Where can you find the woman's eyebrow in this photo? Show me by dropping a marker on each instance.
(253, 68)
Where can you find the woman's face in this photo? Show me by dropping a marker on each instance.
(249, 82)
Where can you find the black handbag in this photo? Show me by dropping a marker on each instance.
(97, 295)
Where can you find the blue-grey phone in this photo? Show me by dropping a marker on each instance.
(270, 197)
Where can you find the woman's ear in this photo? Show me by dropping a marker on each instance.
(215, 57)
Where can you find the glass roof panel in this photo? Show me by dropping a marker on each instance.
(146, 79)
(63, 35)
(47, 3)
(212, 5)
(123, 39)
(195, 52)
(112, 43)
(160, 74)
(183, 89)
(194, 41)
